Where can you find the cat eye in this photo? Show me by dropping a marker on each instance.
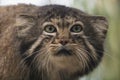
(76, 28)
(50, 29)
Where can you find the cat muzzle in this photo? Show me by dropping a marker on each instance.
(63, 51)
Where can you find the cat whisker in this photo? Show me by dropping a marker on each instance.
(28, 56)
(87, 57)
(82, 58)
(82, 52)
(92, 56)
(107, 54)
(32, 54)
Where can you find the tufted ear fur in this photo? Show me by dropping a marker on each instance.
(24, 22)
(23, 18)
(100, 25)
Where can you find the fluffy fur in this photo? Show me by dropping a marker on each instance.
(28, 53)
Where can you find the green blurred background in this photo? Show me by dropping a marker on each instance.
(110, 67)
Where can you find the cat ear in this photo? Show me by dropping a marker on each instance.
(23, 23)
(100, 24)
(24, 18)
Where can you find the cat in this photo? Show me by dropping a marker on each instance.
(51, 42)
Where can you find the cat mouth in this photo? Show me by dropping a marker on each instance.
(63, 52)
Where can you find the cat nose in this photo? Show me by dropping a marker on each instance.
(63, 41)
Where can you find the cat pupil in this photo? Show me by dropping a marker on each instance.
(76, 28)
(50, 29)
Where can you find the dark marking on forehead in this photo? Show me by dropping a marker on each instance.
(63, 22)
(60, 15)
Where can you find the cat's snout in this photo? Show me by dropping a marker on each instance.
(63, 41)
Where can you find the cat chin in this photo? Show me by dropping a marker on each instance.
(65, 64)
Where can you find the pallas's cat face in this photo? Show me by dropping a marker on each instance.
(59, 39)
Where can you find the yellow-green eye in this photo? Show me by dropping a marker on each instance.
(50, 29)
(76, 28)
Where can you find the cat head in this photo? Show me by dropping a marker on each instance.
(59, 39)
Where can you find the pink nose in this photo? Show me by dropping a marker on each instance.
(63, 41)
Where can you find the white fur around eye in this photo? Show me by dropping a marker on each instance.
(80, 33)
(51, 34)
